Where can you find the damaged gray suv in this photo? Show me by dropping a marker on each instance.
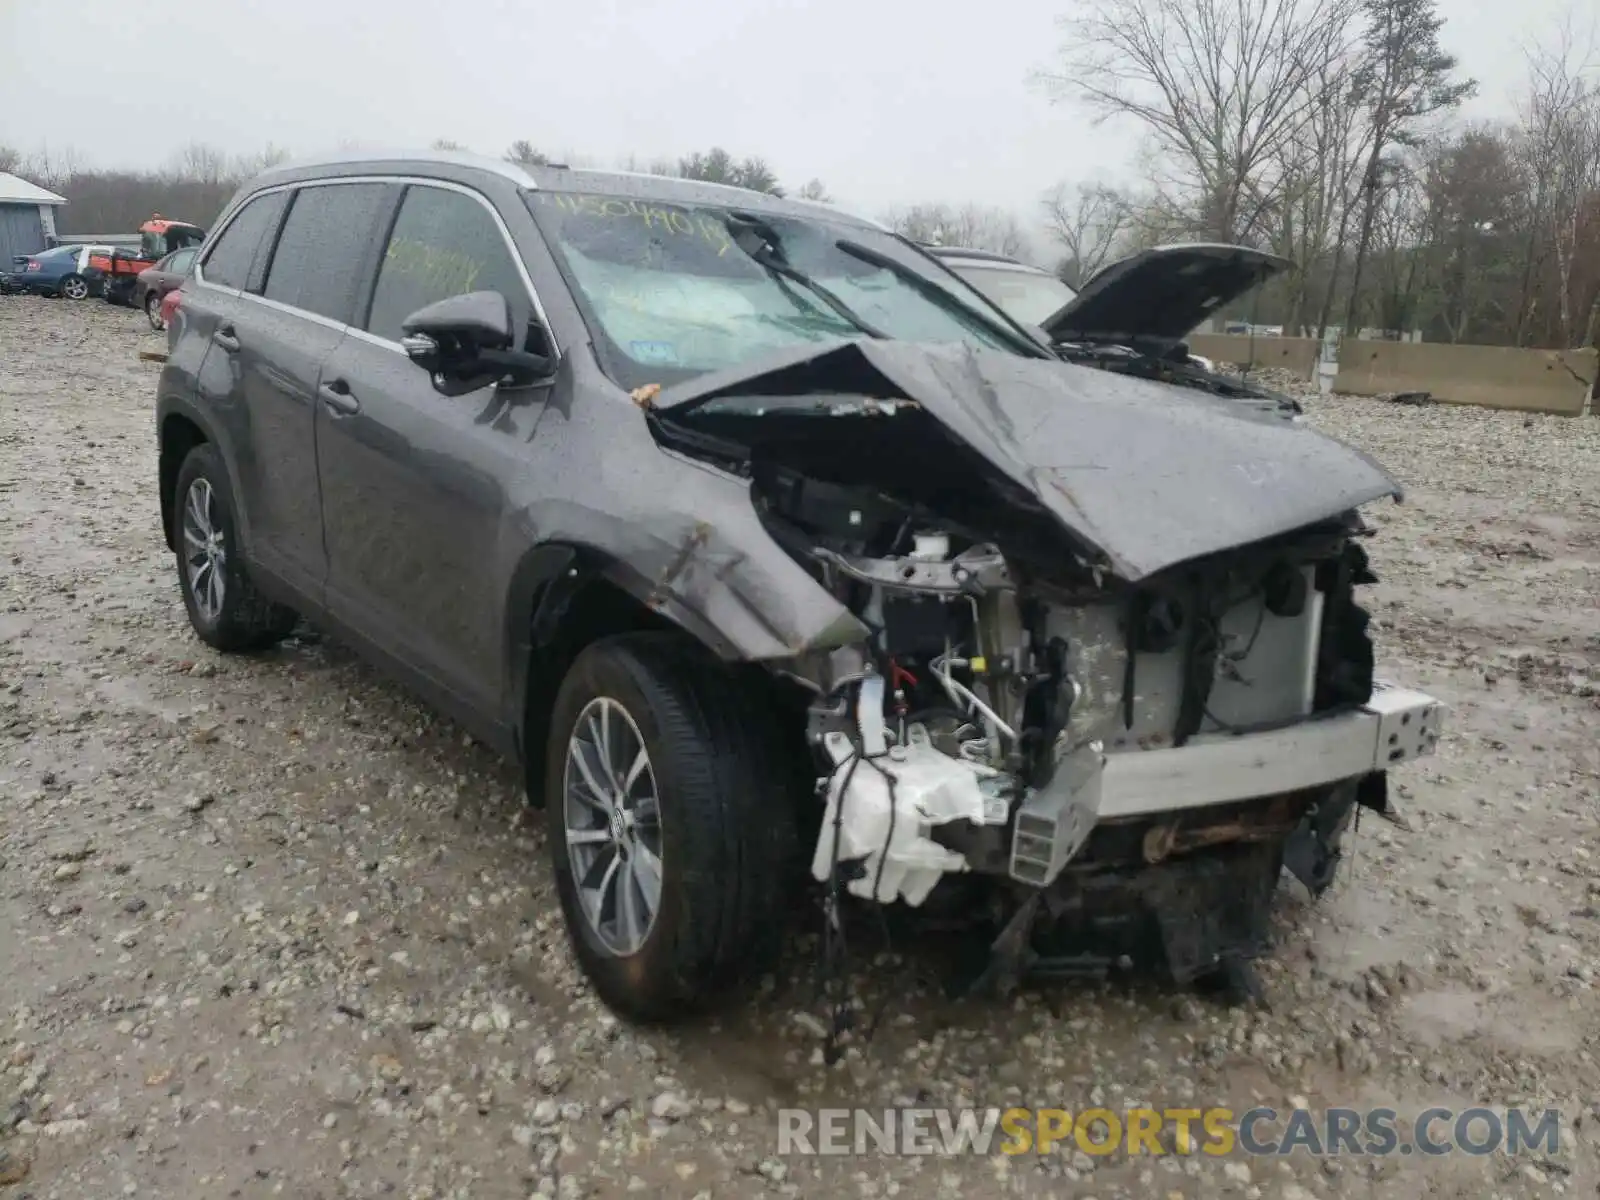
(770, 547)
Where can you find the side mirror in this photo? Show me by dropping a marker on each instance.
(465, 343)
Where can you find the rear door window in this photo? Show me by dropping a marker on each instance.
(180, 262)
(227, 264)
(444, 243)
(321, 253)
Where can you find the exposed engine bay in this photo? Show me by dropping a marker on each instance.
(977, 736)
(992, 697)
(1171, 365)
(1093, 717)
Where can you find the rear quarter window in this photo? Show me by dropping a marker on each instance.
(323, 247)
(228, 262)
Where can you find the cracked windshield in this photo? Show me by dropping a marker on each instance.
(676, 287)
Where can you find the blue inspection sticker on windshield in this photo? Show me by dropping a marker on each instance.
(657, 354)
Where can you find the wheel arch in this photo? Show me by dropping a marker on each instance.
(180, 429)
(565, 596)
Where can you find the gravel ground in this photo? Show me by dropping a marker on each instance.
(272, 928)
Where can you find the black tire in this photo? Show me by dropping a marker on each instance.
(152, 311)
(73, 287)
(727, 840)
(245, 619)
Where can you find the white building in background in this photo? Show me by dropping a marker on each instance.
(27, 218)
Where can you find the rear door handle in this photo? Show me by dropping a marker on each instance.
(224, 337)
(337, 399)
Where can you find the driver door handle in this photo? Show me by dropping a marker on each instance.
(336, 398)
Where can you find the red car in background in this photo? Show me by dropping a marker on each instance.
(154, 284)
(168, 310)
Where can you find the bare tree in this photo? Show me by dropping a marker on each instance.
(1090, 222)
(524, 154)
(1317, 170)
(718, 166)
(647, 166)
(1559, 146)
(49, 168)
(203, 163)
(1219, 85)
(971, 225)
(813, 190)
(269, 156)
(1404, 230)
(446, 144)
(1405, 77)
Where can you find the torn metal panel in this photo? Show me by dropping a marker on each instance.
(1146, 475)
(721, 578)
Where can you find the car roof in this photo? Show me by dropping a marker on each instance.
(675, 190)
(939, 251)
(987, 258)
(627, 184)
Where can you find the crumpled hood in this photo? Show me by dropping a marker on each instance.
(1158, 296)
(1146, 475)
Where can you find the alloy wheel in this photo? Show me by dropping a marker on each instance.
(205, 553)
(75, 288)
(612, 816)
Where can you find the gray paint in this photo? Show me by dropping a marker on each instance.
(428, 529)
(21, 232)
(1156, 297)
(439, 507)
(1149, 475)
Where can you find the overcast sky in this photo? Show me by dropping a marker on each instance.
(881, 99)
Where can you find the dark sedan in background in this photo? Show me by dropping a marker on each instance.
(155, 282)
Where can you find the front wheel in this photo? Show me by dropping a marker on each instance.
(225, 609)
(671, 829)
(75, 287)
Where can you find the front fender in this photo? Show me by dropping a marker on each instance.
(704, 562)
(754, 605)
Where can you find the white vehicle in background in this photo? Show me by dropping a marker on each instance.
(1041, 299)
(1025, 293)
(64, 271)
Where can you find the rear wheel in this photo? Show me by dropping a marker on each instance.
(152, 311)
(670, 823)
(74, 287)
(226, 610)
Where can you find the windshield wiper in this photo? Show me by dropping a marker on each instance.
(760, 241)
(932, 291)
